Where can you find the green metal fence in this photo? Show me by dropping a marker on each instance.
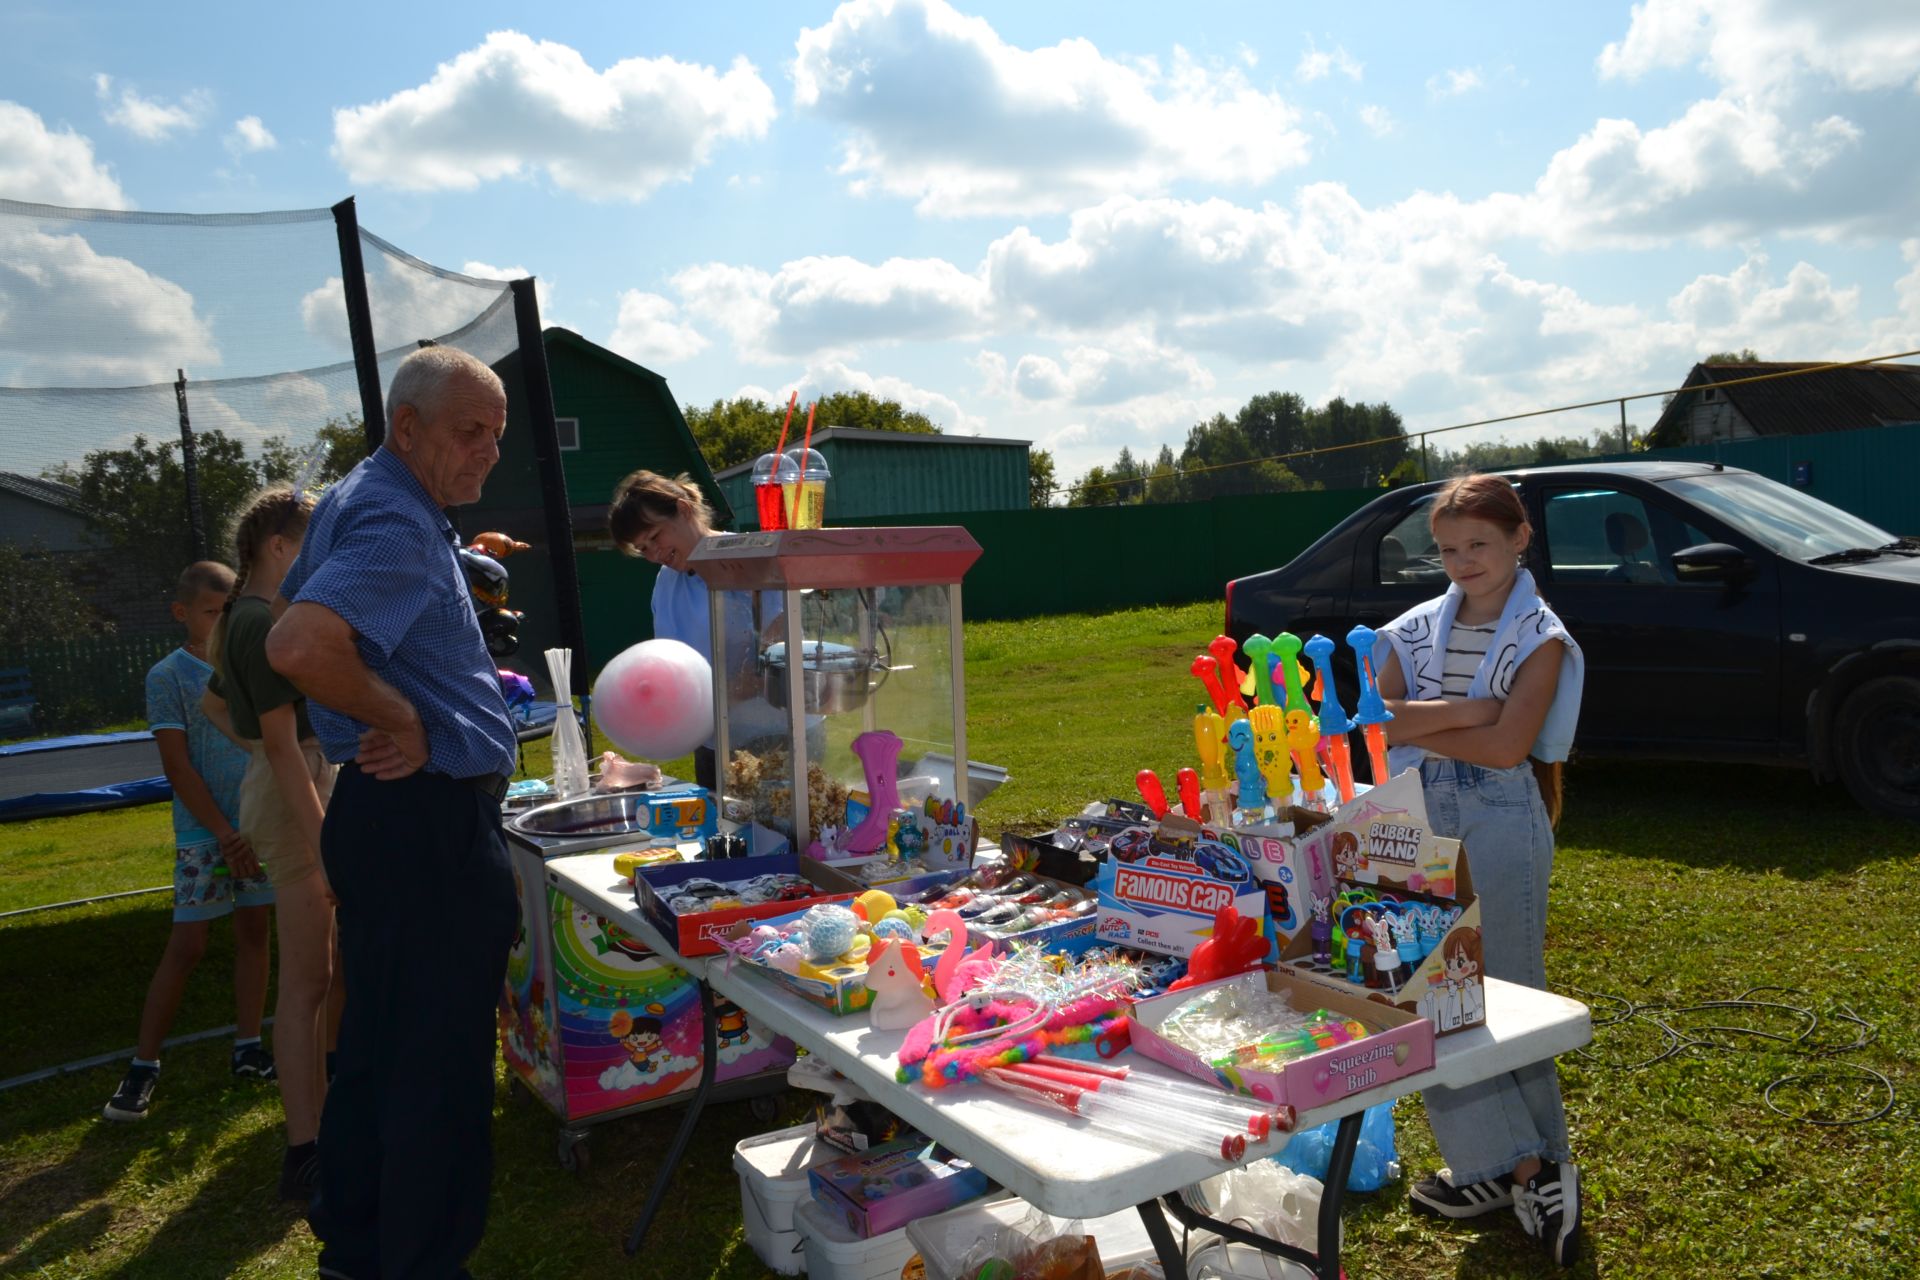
(84, 684)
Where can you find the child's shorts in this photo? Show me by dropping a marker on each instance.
(285, 857)
(203, 888)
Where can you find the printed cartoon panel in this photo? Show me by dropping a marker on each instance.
(629, 1024)
(528, 1011)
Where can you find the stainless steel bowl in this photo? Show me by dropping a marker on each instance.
(833, 678)
(614, 814)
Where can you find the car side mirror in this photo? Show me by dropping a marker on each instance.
(1712, 562)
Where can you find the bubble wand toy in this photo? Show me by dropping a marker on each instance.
(1246, 766)
(1206, 669)
(1210, 741)
(1222, 647)
(1187, 782)
(1270, 749)
(1237, 1114)
(1334, 724)
(1151, 791)
(1141, 1124)
(1259, 651)
(1370, 712)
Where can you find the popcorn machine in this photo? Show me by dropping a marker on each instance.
(876, 704)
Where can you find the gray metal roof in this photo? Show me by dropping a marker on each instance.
(51, 492)
(823, 434)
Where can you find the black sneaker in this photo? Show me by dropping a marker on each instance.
(253, 1062)
(130, 1100)
(1439, 1195)
(1549, 1209)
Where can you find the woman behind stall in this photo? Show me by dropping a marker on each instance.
(1485, 692)
(661, 520)
(282, 799)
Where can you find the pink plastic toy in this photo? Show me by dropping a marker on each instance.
(879, 752)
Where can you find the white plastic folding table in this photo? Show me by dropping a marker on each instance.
(1056, 1163)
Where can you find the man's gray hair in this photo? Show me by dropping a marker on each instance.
(423, 377)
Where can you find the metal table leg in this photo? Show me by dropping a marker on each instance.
(709, 1066)
(1325, 1265)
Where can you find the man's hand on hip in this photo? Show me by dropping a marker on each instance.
(388, 756)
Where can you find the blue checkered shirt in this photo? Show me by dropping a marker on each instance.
(379, 553)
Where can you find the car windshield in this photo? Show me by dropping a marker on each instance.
(1781, 518)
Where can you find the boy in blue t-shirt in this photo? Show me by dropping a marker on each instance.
(214, 870)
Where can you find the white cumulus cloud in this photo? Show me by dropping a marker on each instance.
(40, 165)
(1317, 63)
(831, 304)
(249, 135)
(1378, 120)
(151, 118)
(515, 106)
(649, 331)
(1454, 81)
(939, 109)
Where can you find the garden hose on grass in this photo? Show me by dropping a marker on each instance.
(1871, 1084)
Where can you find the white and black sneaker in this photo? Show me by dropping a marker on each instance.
(135, 1094)
(1440, 1195)
(1549, 1209)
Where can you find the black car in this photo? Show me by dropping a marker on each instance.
(1724, 616)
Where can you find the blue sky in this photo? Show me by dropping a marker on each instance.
(1086, 225)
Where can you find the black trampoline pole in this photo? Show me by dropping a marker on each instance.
(366, 359)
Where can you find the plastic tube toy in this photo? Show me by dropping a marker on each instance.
(1270, 748)
(1143, 1124)
(1246, 766)
(1259, 649)
(1222, 647)
(1151, 791)
(1188, 784)
(1287, 645)
(1207, 668)
(1370, 712)
(1334, 724)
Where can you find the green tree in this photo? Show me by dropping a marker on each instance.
(1039, 478)
(1091, 489)
(137, 498)
(38, 601)
(730, 432)
(1218, 459)
(1745, 355)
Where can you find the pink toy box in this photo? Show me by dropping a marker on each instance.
(888, 1186)
(1402, 1046)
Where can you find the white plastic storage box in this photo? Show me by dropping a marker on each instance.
(944, 1238)
(773, 1180)
(835, 1253)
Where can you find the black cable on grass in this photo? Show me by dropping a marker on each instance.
(1611, 1010)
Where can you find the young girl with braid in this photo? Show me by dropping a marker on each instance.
(282, 799)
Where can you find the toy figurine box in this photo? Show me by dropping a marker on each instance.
(1401, 1045)
(884, 1188)
(681, 811)
(697, 933)
(1286, 860)
(841, 988)
(1160, 890)
(1383, 842)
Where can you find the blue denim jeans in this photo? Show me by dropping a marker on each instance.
(1485, 1129)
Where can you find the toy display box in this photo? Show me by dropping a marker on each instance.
(1402, 1045)
(1160, 889)
(1382, 841)
(888, 1186)
(1286, 861)
(842, 988)
(697, 933)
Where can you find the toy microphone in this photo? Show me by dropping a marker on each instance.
(1370, 712)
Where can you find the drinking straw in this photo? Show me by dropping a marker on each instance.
(780, 448)
(800, 488)
(808, 442)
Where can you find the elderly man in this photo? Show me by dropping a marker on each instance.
(381, 637)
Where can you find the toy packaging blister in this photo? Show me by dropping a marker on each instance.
(1404, 922)
(697, 933)
(1397, 1044)
(888, 1186)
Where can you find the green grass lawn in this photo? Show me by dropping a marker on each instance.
(1673, 883)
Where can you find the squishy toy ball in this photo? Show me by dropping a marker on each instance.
(655, 700)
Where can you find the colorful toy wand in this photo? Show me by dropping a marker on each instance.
(1207, 669)
(1334, 724)
(1259, 649)
(1370, 712)
(1210, 741)
(1222, 647)
(1246, 766)
(1187, 782)
(1151, 791)
(1287, 645)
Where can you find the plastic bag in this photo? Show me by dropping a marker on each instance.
(1268, 1198)
(569, 745)
(1038, 1247)
(1375, 1162)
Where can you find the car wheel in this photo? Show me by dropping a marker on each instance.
(1876, 745)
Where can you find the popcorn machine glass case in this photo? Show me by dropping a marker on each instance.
(875, 614)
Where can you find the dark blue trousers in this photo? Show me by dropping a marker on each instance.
(427, 914)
